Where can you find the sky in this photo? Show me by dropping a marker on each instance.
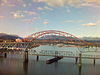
(25, 17)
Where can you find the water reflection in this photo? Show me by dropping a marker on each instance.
(56, 64)
(25, 67)
(41, 68)
(1, 59)
(80, 70)
(63, 67)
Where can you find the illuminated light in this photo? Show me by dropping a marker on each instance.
(18, 40)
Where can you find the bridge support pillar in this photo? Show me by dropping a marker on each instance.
(26, 56)
(37, 58)
(80, 60)
(76, 59)
(5, 55)
(94, 61)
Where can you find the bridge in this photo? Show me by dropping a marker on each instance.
(37, 39)
(68, 38)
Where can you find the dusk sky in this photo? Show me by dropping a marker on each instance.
(24, 17)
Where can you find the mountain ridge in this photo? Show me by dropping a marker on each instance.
(4, 36)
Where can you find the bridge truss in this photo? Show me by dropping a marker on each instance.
(70, 39)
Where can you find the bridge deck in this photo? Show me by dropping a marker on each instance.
(67, 54)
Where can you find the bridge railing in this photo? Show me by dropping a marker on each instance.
(16, 45)
(52, 53)
(62, 53)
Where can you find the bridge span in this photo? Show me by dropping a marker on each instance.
(53, 53)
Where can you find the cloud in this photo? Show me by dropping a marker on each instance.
(86, 4)
(22, 14)
(68, 10)
(26, 5)
(45, 8)
(30, 13)
(60, 2)
(48, 8)
(13, 3)
(18, 15)
(30, 20)
(72, 21)
(1, 17)
(38, 0)
(93, 1)
(90, 24)
(57, 3)
(45, 22)
(6, 3)
(98, 22)
(40, 8)
(90, 5)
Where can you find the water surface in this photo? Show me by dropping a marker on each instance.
(14, 65)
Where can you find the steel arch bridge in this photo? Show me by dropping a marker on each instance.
(34, 42)
(71, 39)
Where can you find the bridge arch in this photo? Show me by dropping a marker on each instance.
(68, 36)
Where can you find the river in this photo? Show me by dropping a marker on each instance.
(14, 64)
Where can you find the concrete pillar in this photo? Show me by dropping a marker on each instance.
(76, 59)
(37, 58)
(5, 55)
(80, 59)
(26, 56)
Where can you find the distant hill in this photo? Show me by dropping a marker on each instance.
(5, 36)
(91, 39)
(55, 37)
